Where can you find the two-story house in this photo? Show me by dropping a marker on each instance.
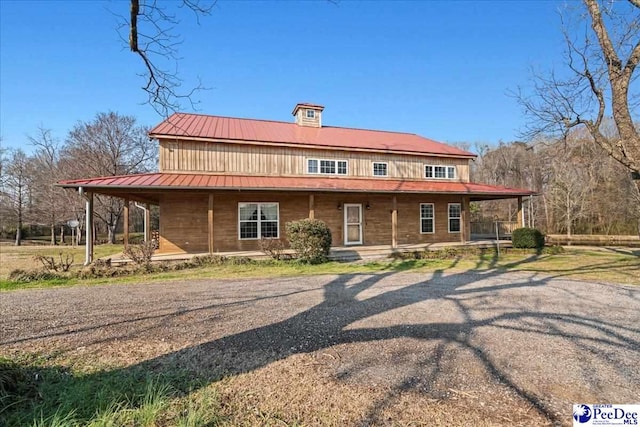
(225, 183)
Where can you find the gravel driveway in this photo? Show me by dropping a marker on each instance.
(491, 339)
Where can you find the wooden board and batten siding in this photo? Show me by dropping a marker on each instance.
(264, 160)
(187, 220)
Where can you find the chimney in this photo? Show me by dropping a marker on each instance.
(308, 115)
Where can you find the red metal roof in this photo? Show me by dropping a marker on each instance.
(306, 104)
(183, 125)
(180, 181)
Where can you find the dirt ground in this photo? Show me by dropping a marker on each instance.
(383, 349)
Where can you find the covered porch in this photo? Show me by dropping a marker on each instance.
(203, 214)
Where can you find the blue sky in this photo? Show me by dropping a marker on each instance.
(439, 69)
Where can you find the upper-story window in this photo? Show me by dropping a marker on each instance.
(327, 167)
(311, 114)
(380, 169)
(440, 172)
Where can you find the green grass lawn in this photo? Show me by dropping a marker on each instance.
(603, 265)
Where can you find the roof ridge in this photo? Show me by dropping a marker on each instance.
(293, 123)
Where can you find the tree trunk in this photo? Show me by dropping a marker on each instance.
(546, 213)
(111, 229)
(19, 234)
(19, 228)
(637, 182)
(53, 234)
(568, 220)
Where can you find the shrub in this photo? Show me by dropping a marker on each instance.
(208, 260)
(141, 254)
(553, 250)
(273, 247)
(27, 276)
(310, 239)
(10, 233)
(527, 238)
(52, 264)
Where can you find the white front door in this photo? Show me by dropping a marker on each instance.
(352, 224)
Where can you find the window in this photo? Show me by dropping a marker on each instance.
(312, 166)
(451, 172)
(342, 167)
(454, 217)
(379, 169)
(327, 167)
(426, 218)
(311, 114)
(258, 220)
(440, 172)
(428, 171)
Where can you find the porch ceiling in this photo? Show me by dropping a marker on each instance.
(148, 186)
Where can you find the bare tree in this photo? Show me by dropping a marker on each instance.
(16, 188)
(49, 199)
(110, 145)
(152, 36)
(569, 189)
(602, 53)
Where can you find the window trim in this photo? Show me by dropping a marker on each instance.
(335, 161)
(433, 219)
(459, 218)
(259, 220)
(313, 113)
(386, 168)
(447, 168)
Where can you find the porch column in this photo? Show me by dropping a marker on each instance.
(394, 223)
(312, 207)
(88, 253)
(126, 223)
(465, 220)
(210, 223)
(520, 218)
(147, 222)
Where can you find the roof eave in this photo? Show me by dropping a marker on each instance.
(301, 189)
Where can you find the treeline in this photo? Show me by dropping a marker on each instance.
(581, 189)
(109, 145)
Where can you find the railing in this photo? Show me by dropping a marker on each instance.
(488, 229)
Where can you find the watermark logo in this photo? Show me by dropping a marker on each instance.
(582, 413)
(605, 415)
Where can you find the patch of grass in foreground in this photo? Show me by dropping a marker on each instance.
(32, 393)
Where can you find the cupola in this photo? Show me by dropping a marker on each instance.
(308, 115)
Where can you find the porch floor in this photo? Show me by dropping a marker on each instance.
(338, 253)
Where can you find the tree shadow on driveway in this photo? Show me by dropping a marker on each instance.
(478, 304)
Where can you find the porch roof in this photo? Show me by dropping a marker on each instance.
(157, 182)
